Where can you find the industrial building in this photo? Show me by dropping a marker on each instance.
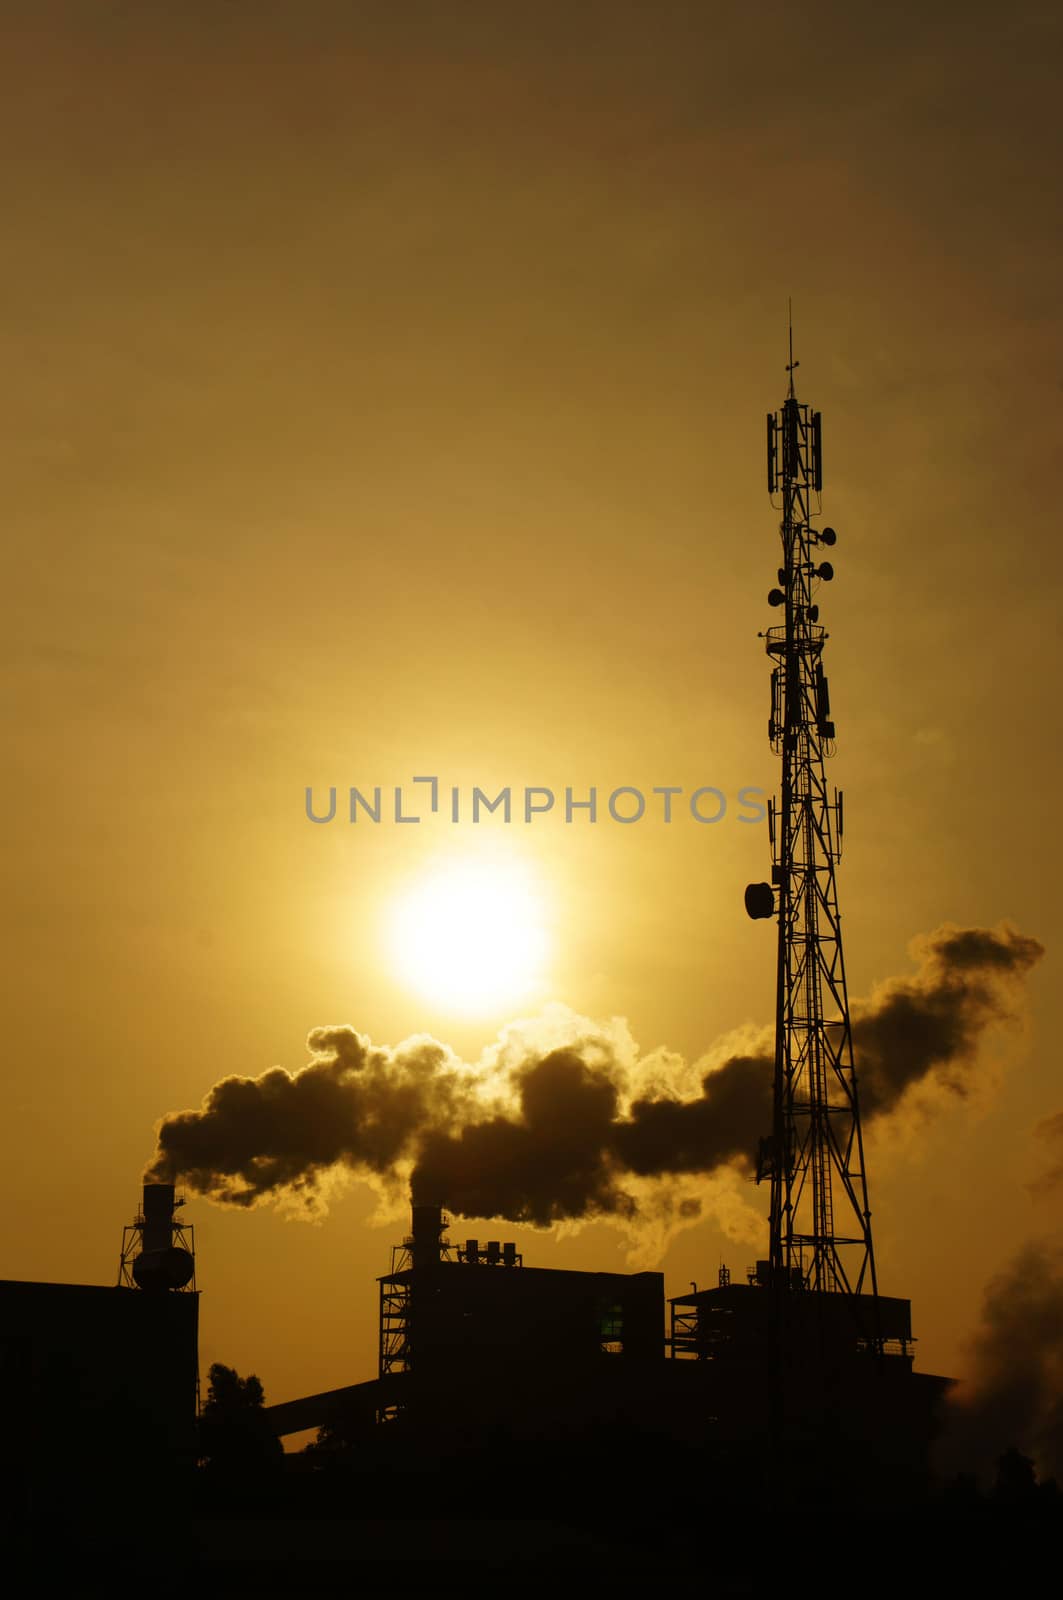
(470, 1336)
(494, 1312)
(472, 1341)
(102, 1383)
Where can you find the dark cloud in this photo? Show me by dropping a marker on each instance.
(537, 1136)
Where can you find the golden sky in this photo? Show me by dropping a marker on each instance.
(384, 394)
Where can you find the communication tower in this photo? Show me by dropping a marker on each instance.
(820, 1219)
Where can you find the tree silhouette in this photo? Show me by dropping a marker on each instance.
(234, 1433)
(229, 1395)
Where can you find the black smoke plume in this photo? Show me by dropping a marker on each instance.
(537, 1134)
(932, 1023)
(354, 1106)
(546, 1159)
(1014, 1399)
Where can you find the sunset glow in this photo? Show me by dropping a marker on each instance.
(470, 936)
(385, 393)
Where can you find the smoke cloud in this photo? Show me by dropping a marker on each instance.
(562, 1117)
(1015, 1396)
(932, 1023)
(354, 1106)
(1051, 1131)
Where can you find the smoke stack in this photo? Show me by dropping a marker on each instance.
(427, 1235)
(158, 1216)
(155, 1249)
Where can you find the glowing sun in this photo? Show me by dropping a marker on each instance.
(471, 935)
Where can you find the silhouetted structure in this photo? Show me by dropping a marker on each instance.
(473, 1353)
(470, 1336)
(447, 1310)
(835, 1357)
(820, 1219)
(102, 1383)
(158, 1251)
(101, 1389)
(798, 1371)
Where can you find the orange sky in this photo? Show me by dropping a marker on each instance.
(384, 394)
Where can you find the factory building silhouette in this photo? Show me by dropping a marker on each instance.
(102, 1383)
(470, 1337)
(473, 1343)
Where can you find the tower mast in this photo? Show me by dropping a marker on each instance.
(820, 1220)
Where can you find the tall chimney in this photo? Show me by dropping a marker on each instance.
(160, 1264)
(158, 1216)
(427, 1232)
